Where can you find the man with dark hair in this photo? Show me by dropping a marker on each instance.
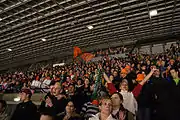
(167, 97)
(77, 98)
(47, 115)
(3, 106)
(26, 110)
(174, 73)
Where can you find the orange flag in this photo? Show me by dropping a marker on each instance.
(87, 56)
(77, 51)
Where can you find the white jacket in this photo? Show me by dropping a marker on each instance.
(96, 117)
(129, 102)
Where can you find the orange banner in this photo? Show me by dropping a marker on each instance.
(77, 51)
(87, 56)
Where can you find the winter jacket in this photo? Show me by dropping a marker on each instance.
(25, 111)
(167, 97)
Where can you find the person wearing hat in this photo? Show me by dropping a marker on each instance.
(144, 99)
(126, 74)
(26, 110)
(129, 97)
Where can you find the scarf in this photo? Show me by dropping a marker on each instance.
(119, 114)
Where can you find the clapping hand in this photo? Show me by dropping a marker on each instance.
(49, 102)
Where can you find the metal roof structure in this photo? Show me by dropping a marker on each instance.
(63, 24)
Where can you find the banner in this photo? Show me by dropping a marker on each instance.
(77, 51)
(87, 56)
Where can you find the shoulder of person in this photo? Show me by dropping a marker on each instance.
(61, 114)
(110, 118)
(75, 115)
(32, 105)
(95, 117)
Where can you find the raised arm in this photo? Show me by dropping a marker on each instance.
(106, 78)
(147, 77)
(111, 86)
(136, 91)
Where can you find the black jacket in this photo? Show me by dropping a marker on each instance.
(58, 105)
(25, 111)
(167, 99)
(78, 100)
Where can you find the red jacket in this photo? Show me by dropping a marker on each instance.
(136, 91)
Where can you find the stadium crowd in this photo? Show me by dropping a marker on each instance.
(142, 87)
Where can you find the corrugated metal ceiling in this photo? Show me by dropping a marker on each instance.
(63, 23)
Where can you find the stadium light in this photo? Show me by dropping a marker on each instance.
(9, 49)
(90, 27)
(43, 39)
(17, 99)
(153, 13)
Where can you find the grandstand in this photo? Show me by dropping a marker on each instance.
(63, 50)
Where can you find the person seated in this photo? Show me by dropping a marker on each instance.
(69, 113)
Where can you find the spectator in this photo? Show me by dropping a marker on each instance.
(77, 98)
(167, 93)
(50, 95)
(119, 112)
(26, 110)
(129, 101)
(69, 113)
(89, 109)
(58, 101)
(127, 75)
(105, 107)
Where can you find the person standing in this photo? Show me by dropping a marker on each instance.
(167, 97)
(26, 110)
